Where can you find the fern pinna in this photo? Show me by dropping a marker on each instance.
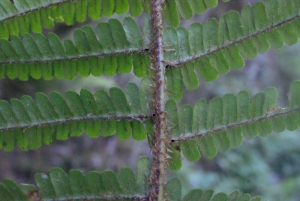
(166, 58)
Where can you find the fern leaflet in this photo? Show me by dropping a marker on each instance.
(214, 47)
(173, 190)
(117, 50)
(27, 123)
(76, 186)
(220, 125)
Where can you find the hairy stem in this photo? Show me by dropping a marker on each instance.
(158, 167)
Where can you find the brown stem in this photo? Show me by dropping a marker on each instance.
(158, 167)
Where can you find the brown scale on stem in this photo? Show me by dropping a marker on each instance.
(159, 161)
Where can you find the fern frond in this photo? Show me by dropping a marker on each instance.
(214, 47)
(20, 17)
(220, 125)
(27, 123)
(186, 9)
(76, 186)
(173, 191)
(118, 48)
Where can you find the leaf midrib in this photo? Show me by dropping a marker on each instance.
(181, 62)
(190, 136)
(54, 122)
(72, 58)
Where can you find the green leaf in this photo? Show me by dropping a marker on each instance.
(173, 189)
(207, 195)
(207, 146)
(221, 141)
(198, 6)
(211, 3)
(78, 184)
(52, 118)
(132, 32)
(194, 194)
(189, 77)
(119, 101)
(174, 84)
(184, 9)
(175, 157)
(171, 14)
(143, 174)
(118, 34)
(138, 130)
(132, 96)
(111, 183)
(189, 148)
(206, 70)
(210, 31)
(140, 64)
(199, 116)
(45, 185)
(215, 113)
(121, 6)
(127, 181)
(172, 116)
(146, 96)
(220, 197)
(94, 9)
(136, 7)
(108, 8)
(96, 183)
(60, 183)
(14, 190)
(200, 195)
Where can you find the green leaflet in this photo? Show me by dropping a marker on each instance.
(184, 9)
(143, 175)
(127, 181)
(118, 49)
(19, 18)
(146, 96)
(174, 161)
(214, 47)
(132, 32)
(194, 194)
(171, 13)
(207, 146)
(292, 119)
(11, 191)
(221, 124)
(198, 6)
(174, 84)
(136, 7)
(33, 16)
(210, 31)
(189, 148)
(58, 185)
(121, 6)
(173, 190)
(28, 123)
(111, 183)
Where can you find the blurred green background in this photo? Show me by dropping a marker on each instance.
(269, 167)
